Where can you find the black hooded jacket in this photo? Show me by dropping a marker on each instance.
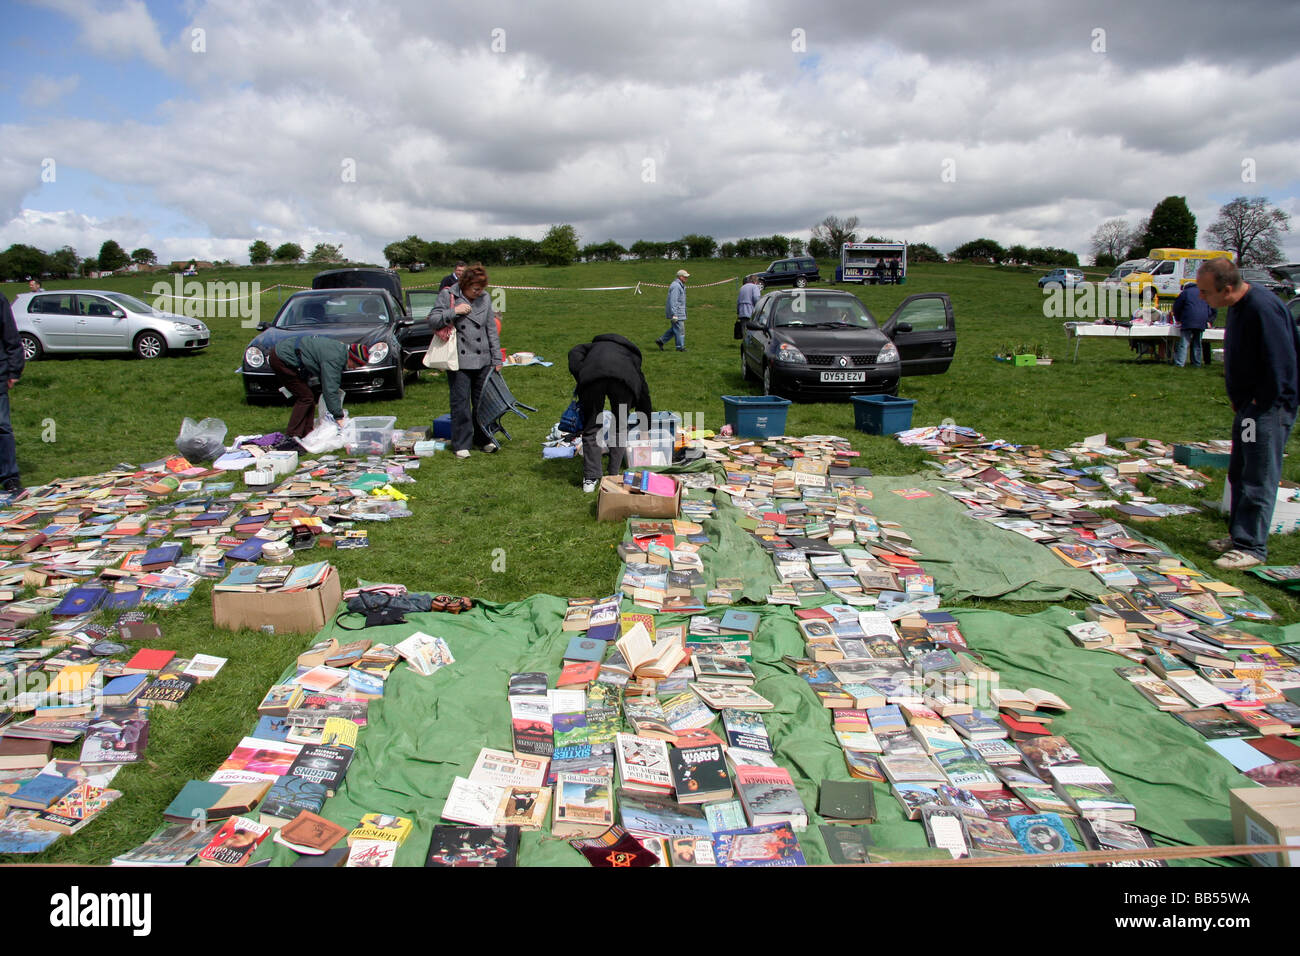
(610, 356)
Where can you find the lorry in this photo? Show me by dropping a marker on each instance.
(875, 263)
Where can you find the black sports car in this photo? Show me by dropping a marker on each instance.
(350, 315)
(815, 344)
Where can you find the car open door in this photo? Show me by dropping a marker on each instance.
(925, 332)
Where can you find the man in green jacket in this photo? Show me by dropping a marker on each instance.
(296, 359)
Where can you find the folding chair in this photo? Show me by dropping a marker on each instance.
(495, 401)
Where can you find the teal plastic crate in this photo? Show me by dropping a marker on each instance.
(882, 414)
(755, 416)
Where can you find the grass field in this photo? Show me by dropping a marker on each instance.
(105, 410)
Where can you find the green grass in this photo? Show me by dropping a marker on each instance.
(105, 410)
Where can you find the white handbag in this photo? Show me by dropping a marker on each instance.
(443, 355)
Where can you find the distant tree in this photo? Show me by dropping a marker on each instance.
(821, 249)
(778, 247)
(1111, 238)
(559, 247)
(1171, 225)
(747, 248)
(835, 232)
(259, 253)
(112, 257)
(88, 266)
(923, 252)
(698, 247)
(288, 252)
(1252, 228)
(1018, 254)
(324, 252)
(607, 251)
(405, 252)
(1138, 246)
(144, 257)
(979, 249)
(64, 263)
(727, 250)
(1104, 260)
(797, 247)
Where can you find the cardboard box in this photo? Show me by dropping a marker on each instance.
(1267, 815)
(618, 502)
(292, 612)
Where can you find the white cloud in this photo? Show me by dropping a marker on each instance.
(43, 91)
(747, 137)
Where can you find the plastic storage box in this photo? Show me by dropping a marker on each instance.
(756, 416)
(882, 414)
(374, 435)
(442, 426)
(1194, 456)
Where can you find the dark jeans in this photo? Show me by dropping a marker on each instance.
(466, 390)
(1254, 469)
(592, 399)
(1189, 342)
(303, 417)
(8, 448)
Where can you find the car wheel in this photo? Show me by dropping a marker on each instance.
(31, 347)
(768, 387)
(801, 282)
(150, 345)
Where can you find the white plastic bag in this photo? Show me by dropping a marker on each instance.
(325, 437)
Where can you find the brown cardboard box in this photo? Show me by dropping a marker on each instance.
(292, 612)
(618, 502)
(1267, 815)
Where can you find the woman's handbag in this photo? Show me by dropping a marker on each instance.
(443, 352)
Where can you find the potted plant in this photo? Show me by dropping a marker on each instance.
(1040, 352)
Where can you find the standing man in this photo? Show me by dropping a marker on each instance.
(454, 276)
(1261, 358)
(1191, 312)
(675, 311)
(296, 359)
(34, 285)
(745, 302)
(11, 358)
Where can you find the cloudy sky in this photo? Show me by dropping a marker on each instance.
(194, 128)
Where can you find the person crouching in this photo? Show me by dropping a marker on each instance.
(296, 359)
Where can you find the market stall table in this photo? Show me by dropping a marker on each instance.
(1080, 330)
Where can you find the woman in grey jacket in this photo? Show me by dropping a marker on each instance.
(468, 307)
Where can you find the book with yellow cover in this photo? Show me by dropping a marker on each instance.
(381, 826)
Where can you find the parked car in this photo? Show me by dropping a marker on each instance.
(349, 315)
(1268, 279)
(798, 271)
(827, 344)
(414, 337)
(1061, 279)
(93, 320)
(1124, 268)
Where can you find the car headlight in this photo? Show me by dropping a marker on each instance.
(378, 352)
(887, 355)
(253, 357)
(789, 354)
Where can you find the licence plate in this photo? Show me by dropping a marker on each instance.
(844, 376)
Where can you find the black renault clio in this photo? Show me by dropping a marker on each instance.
(826, 344)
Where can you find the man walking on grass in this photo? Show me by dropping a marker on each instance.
(1261, 359)
(675, 310)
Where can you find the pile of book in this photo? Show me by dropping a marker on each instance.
(278, 777)
(105, 704)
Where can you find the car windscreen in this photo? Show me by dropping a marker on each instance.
(129, 302)
(821, 310)
(312, 311)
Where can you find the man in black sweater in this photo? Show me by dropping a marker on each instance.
(607, 367)
(1261, 358)
(11, 370)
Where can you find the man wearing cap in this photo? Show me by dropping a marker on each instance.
(675, 312)
(296, 359)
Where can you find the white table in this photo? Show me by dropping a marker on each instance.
(1082, 330)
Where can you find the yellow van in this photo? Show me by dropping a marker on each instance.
(1168, 270)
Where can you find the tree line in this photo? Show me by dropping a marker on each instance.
(21, 261)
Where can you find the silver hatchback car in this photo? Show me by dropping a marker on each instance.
(93, 320)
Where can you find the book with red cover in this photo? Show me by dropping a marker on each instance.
(577, 673)
(1275, 747)
(1029, 727)
(148, 661)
